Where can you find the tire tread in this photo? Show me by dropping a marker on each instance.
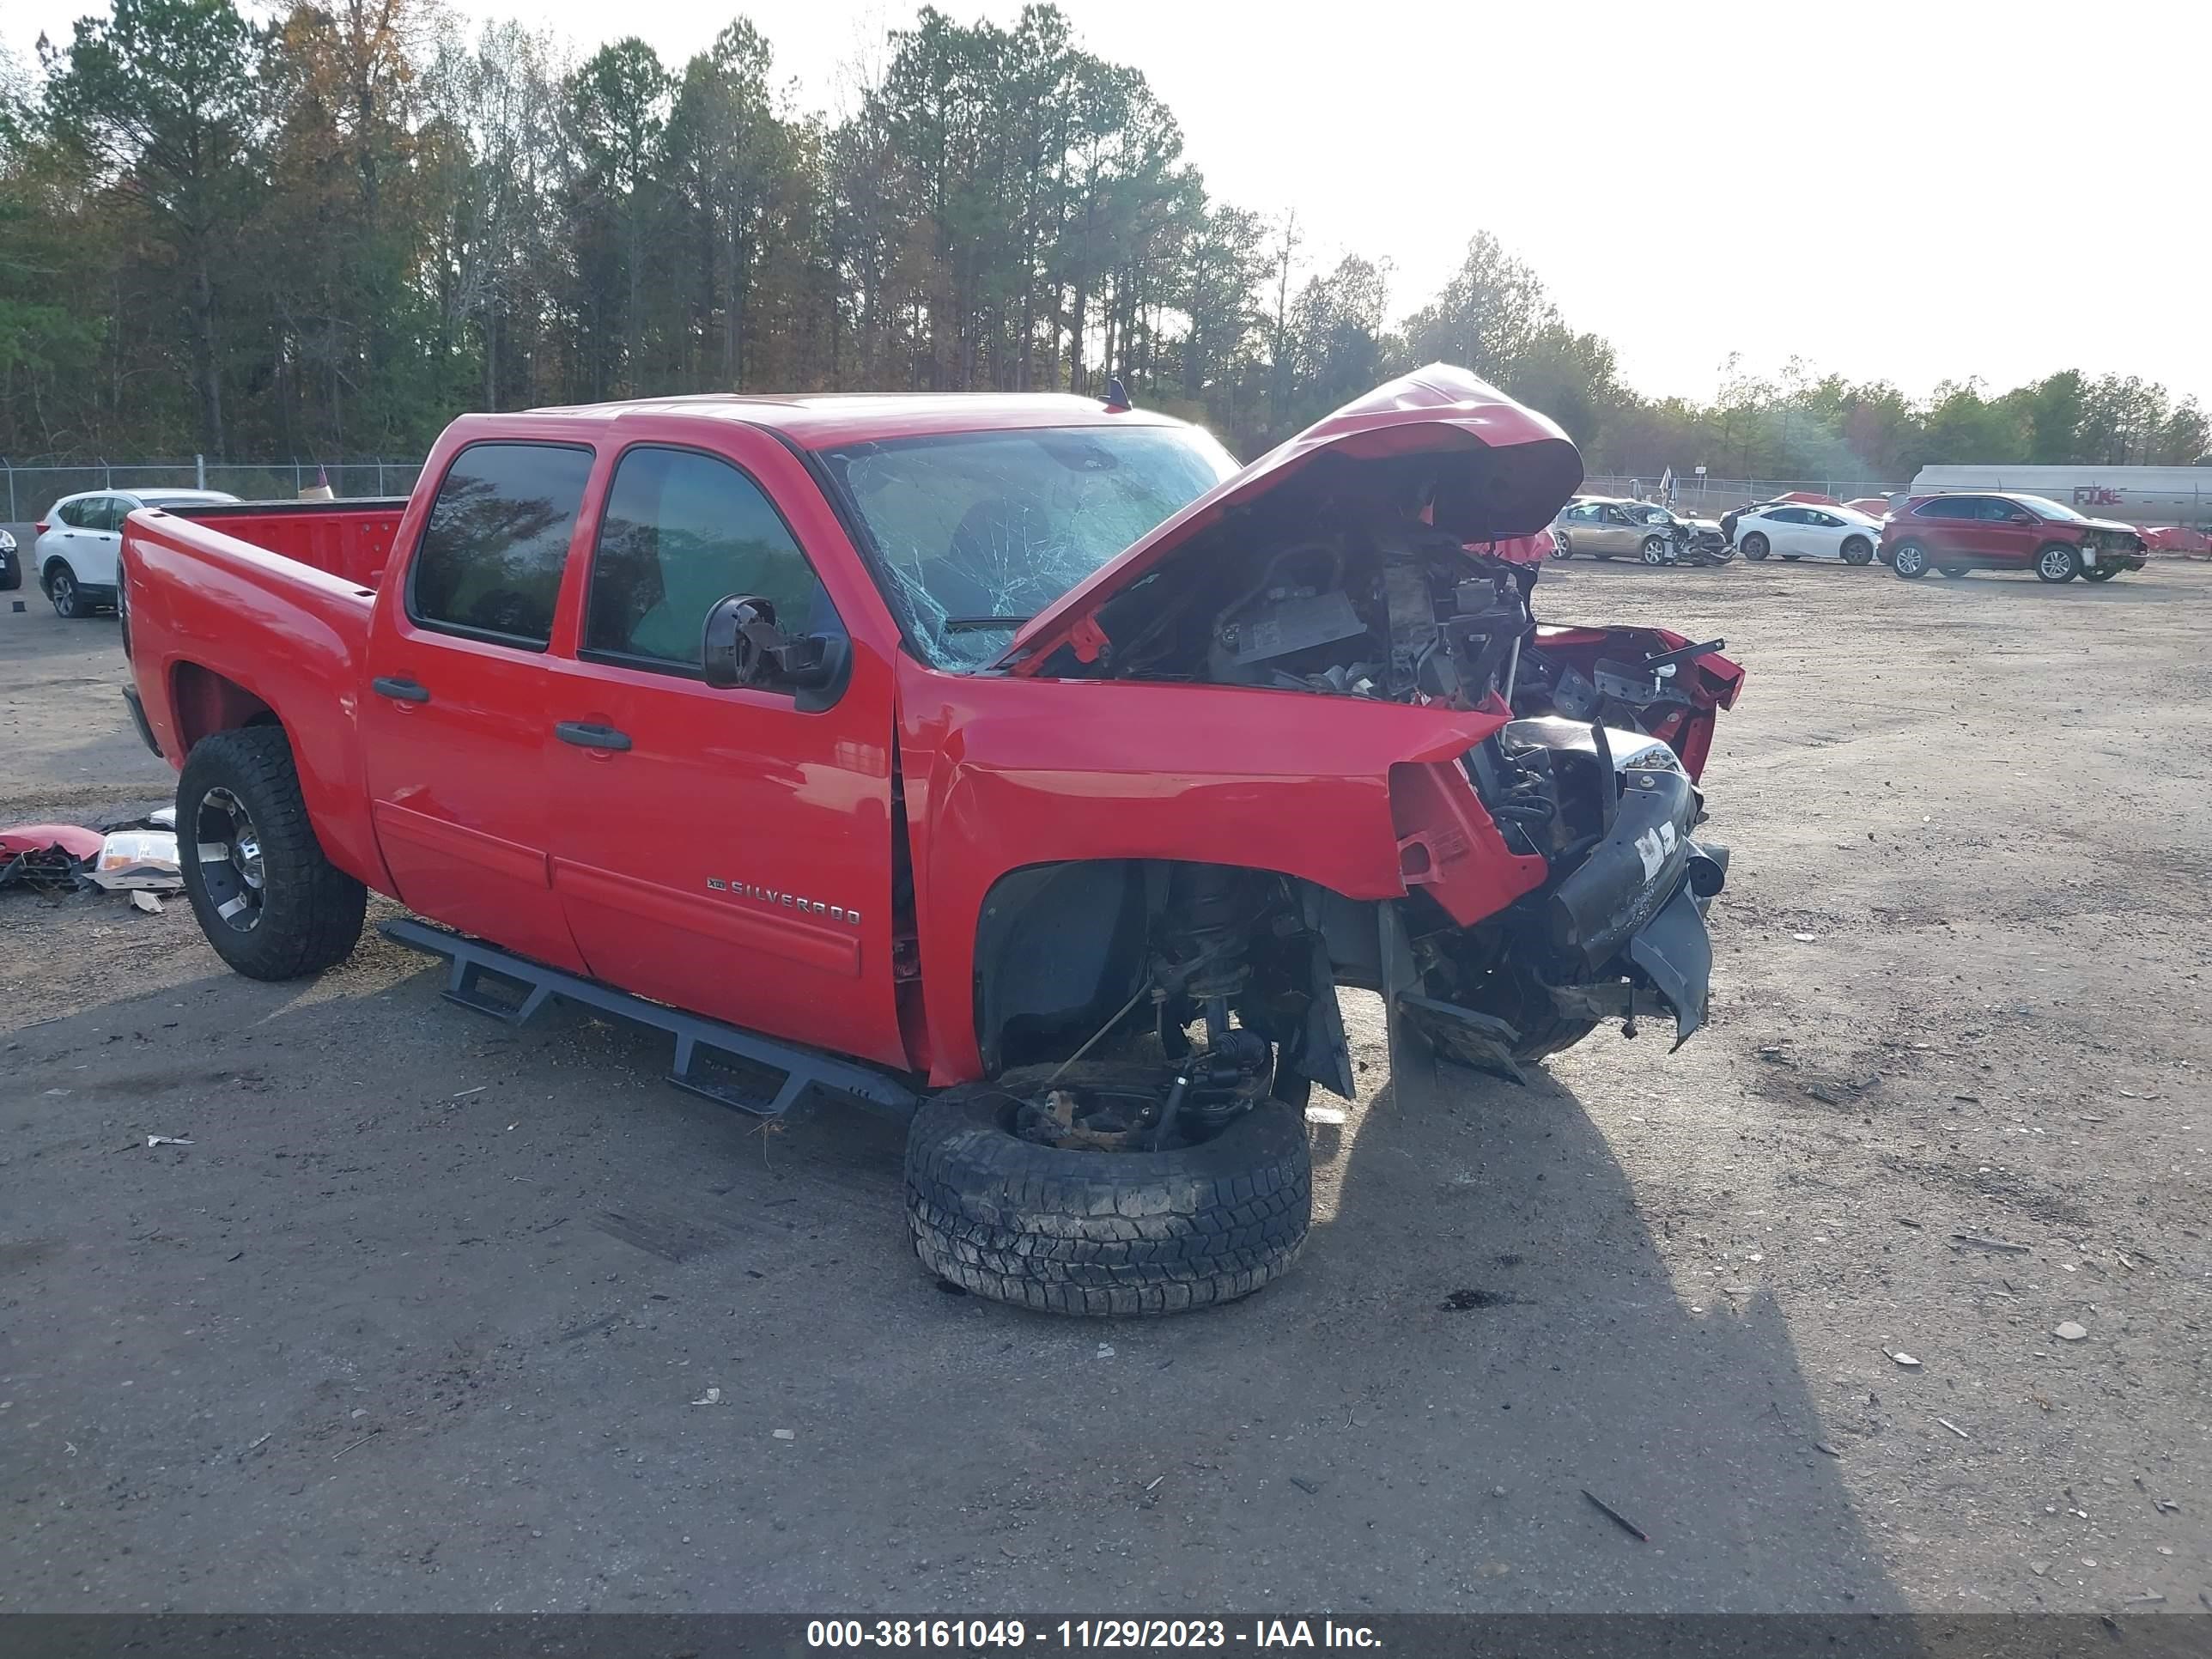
(1103, 1233)
(312, 911)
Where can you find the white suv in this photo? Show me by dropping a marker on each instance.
(79, 542)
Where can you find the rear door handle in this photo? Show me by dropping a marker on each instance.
(400, 690)
(584, 735)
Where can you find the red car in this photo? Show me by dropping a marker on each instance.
(1015, 764)
(1958, 533)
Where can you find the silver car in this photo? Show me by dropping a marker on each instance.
(1605, 528)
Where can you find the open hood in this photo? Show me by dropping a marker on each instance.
(1484, 468)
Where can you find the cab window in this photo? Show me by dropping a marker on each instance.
(490, 559)
(681, 530)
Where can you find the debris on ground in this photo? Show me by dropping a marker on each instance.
(1617, 1517)
(167, 1141)
(1997, 1244)
(786, 1434)
(46, 857)
(2070, 1331)
(1824, 1447)
(149, 903)
(1310, 1487)
(1329, 1115)
(712, 1397)
(1105, 1350)
(1901, 1358)
(138, 859)
(1954, 1428)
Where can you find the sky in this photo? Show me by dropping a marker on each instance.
(1916, 192)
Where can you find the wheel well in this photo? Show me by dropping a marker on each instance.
(1060, 948)
(47, 570)
(207, 703)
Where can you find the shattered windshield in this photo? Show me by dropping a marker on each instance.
(977, 532)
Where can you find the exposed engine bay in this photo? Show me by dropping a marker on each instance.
(1593, 769)
(1362, 602)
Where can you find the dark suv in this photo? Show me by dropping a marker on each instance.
(1958, 533)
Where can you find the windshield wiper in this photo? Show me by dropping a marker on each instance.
(964, 624)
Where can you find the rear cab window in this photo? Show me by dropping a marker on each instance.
(490, 563)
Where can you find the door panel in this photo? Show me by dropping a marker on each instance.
(2002, 536)
(735, 857)
(453, 722)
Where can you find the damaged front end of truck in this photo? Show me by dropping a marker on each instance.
(1550, 870)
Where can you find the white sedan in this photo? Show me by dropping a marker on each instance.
(1795, 529)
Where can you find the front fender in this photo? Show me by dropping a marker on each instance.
(1000, 773)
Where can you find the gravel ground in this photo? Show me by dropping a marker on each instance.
(423, 1317)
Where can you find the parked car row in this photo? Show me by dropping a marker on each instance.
(1950, 533)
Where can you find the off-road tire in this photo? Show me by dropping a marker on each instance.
(1755, 546)
(1910, 561)
(2055, 562)
(1101, 1232)
(1548, 1035)
(1857, 550)
(311, 910)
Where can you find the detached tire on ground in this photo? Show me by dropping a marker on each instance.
(1103, 1232)
(268, 901)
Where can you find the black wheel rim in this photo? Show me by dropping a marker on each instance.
(230, 853)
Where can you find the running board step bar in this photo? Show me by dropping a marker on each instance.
(512, 988)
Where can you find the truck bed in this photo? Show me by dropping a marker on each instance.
(233, 612)
(350, 539)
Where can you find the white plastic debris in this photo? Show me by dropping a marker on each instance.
(140, 900)
(1804, 938)
(786, 1434)
(138, 858)
(167, 1141)
(1900, 1358)
(1105, 1350)
(712, 1397)
(1325, 1115)
(163, 817)
(2070, 1332)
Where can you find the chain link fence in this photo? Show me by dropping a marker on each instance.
(26, 492)
(1713, 496)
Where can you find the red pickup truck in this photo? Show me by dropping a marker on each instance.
(1015, 763)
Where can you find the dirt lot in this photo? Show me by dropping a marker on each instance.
(420, 1317)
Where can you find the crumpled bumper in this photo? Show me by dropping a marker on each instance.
(1629, 925)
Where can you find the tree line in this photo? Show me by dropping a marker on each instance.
(324, 234)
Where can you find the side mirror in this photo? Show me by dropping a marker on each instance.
(740, 632)
(741, 645)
